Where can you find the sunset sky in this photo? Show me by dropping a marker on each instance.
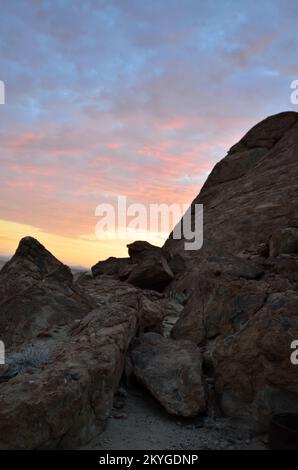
(128, 97)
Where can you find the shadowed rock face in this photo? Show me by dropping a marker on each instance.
(67, 401)
(139, 251)
(171, 370)
(147, 266)
(66, 347)
(110, 266)
(36, 294)
(252, 192)
(32, 257)
(151, 274)
(242, 285)
(254, 365)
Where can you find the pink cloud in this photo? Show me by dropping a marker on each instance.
(21, 141)
(32, 170)
(175, 123)
(113, 145)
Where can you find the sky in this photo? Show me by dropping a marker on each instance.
(128, 97)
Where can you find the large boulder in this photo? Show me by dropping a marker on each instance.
(66, 399)
(172, 372)
(154, 308)
(110, 266)
(221, 298)
(141, 250)
(253, 371)
(152, 274)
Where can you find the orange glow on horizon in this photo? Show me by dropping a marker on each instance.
(73, 251)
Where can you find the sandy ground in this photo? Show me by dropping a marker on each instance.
(138, 422)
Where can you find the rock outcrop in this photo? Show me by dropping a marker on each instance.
(253, 371)
(147, 266)
(172, 372)
(66, 347)
(37, 295)
(241, 287)
(67, 400)
(152, 274)
(140, 251)
(252, 192)
(154, 309)
(110, 266)
(218, 303)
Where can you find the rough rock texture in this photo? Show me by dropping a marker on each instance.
(148, 266)
(152, 274)
(221, 298)
(284, 241)
(37, 294)
(176, 263)
(67, 401)
(110, 266)
(252, 192)
(154, 309)
(66, 345)
(171, 370)
(241, 288)
(141, 250)
(253, 369)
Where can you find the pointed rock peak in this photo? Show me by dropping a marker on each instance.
(32, 256)
(29, 246)
(266, 133)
